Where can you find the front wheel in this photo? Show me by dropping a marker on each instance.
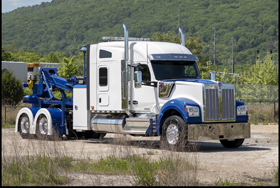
(232, 144)
(174, 134)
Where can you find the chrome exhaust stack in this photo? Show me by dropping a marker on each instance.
(125, 42)
(182, 36)
(125, 72)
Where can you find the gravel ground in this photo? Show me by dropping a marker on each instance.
(254, 161)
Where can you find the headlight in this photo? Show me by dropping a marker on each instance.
(241, 110)
(193, 111)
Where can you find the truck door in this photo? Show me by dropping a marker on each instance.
(144, 99)
(103, 86)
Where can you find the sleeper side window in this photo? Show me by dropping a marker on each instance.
(103, 76)
(105, 54)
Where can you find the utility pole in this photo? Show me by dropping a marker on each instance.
(208, 52)
(214, 45)
(232, 54)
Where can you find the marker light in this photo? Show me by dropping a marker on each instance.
(107, 38)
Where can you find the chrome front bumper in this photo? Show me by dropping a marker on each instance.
(219, 131)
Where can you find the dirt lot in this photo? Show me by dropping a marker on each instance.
(254, 161)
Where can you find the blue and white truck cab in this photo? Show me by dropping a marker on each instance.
(137, 87)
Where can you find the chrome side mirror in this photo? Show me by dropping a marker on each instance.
(138, 79)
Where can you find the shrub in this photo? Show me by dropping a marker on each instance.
(68, 68)
(27, 91)
(11, 89)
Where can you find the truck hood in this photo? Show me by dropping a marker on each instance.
(200, 81)
(193, 89)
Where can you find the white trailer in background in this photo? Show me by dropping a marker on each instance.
(19, 69)
(24, 71)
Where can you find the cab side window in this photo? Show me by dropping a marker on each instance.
(146, 76)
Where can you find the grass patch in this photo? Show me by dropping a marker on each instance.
(30, 171)
(7, 125)
(125, 165)
(276, 176)
(226, 182)
(109, 165)
(146, 172)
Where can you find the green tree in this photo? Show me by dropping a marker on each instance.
(226, 77)
(205, 70)
(52, 57)
(26, 56)
(170, 36)
(6, 55)
(262, 73)
(68, 68)
(43, 29)
(11, 89)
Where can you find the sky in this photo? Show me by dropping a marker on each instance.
(9, 5)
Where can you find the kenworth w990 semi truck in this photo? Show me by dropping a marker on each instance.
(139, 88)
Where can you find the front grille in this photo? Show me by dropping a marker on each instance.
(219, 104)
(228, 103)
(212, 104)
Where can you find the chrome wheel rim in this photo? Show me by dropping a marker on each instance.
(24, 125)
(43, 126)
(172, 134)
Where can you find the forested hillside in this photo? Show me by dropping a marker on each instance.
(65, 25)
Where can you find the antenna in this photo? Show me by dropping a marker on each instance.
(179, 21)
(147, 53)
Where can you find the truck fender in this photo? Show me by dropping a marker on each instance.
(30, 113)
(178, 105)
(53, 116)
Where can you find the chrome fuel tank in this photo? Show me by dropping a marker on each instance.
(107, 123)
(117, 123)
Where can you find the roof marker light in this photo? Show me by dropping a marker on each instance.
(108, 38)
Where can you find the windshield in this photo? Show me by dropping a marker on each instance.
(175, 69)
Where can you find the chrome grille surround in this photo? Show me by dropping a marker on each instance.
(219, 103)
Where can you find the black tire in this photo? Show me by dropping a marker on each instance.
(174, 134)
(232, 144)
(24, 126)
(92, 134)
(42, 127)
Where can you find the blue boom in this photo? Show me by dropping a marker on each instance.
(49, 81)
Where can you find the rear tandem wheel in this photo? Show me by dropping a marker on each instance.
(24, 126)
